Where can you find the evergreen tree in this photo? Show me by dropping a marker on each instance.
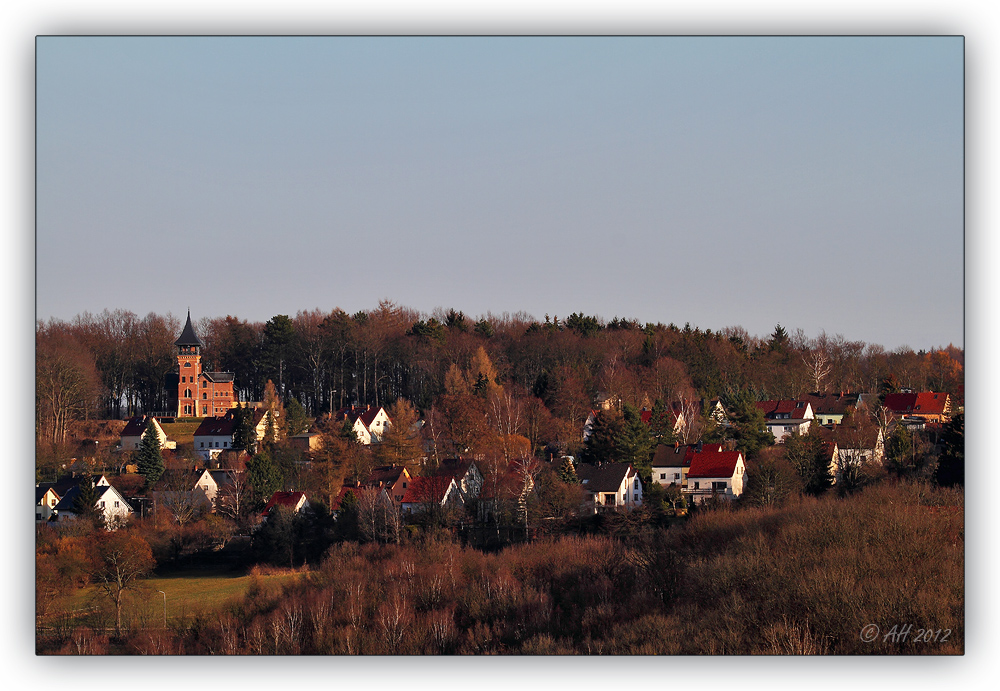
(899, 451)
(951, 464)
(85, 501)
(807, 454)
(243, 436)
(635, 443)
(567, 472)
(264, 476)
(749, 426)
(296, 420)
(661, 424)
(148, 456)
(602, 445)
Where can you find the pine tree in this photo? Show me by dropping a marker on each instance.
(85, 502)
(635, 443)
(296, 420)
(148, 456)
(567, 472)
(243, 438)
(264, 476)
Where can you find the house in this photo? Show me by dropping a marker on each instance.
(200, 394)
(830, 408)
(213, 436)
(786, 417)
(427, 493)
(369, 423)
(506, 493)
(393, 478)
(932, 406)
(610, 485)
(112, 504)
(671, 463)
(856, 446)
(295, 502)
(715, 474)
(307, 441)
(466, 475)
(588, 425)
(135, 428)
(45, 502)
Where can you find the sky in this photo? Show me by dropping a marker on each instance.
(815, 182)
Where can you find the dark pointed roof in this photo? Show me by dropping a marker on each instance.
(188, 337)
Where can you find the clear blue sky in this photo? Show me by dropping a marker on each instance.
(815, 182)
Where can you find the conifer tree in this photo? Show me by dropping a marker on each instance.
(85, 502)
(567, 472)
(148, 456)
(296, 420)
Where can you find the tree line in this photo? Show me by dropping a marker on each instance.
(116, 364)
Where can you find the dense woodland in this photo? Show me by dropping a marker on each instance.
(116, 364)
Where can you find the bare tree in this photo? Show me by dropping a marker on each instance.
(120, 559)
(818, 366)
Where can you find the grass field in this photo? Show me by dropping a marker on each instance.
(189, 594)
(181, 431)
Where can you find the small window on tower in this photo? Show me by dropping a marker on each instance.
(187, 364)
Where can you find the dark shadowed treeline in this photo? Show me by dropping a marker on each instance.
(327, 360)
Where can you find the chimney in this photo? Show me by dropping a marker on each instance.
(699, 446)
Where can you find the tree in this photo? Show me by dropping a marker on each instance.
(148, 456)
(296, 420)
(770, 481)
(278, 334)
(264, 476)
(635, 444)
(120, 558)
(85, 502)
(66, 383)
(244, 438)
(811, 459)
(567, 472)
(602, 444)
(401, 442)
(899, 452)
(951, 463)
(749, 426)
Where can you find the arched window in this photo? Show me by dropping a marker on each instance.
(187, 364)
(204, 395)
(187, 393)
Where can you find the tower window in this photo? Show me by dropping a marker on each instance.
(187, 364)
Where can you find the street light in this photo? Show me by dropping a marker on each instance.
(164, 607)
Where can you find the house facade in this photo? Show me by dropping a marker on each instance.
(929, 405)
(131, 437)
(610, 485)
(671, 463)
(719, 474)
(787, 417)
(200, 394)
(369, 423)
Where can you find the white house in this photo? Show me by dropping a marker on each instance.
(715, 474)
(610, 485)
(136, 427)
(672, 463)
(112, 504)
(369, 424)
(787, 417)
(427, 492)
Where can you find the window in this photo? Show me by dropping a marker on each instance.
(101, 505)
(202, 445)
(204, 410)
(224, 445)
(636, 485)
(204, 396)
(183, 380)
(663, 476)
(635, 498)
(187, 393)
(677, 476)
(117, 504)
(696, 484)
(187, 364)
(204, 384)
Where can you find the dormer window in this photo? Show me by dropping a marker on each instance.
(800, 404)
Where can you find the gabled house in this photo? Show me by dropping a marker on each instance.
(111, 503)
(428, 493)
(671, 463)
(295, 502)
(307, 441)
(45, 502)
(787, 417)
(931, 406)
(131, 437)
(395, 479)
(830, 408)
(610, 485)
(855, 446)
(213, 436)
(715, 474)
(466, 474)
(369, 424)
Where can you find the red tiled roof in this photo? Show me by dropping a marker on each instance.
(385, 474)
(289, 500)
(930, 403)
(136, 427)
(423, 490)
(667, 456)
(714, 464)
(900, 403)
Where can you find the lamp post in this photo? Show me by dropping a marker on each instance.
(164, 607)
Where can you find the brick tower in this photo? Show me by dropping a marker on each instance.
(189, 369)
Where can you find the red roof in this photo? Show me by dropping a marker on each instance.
(424, 490)
(677, 456)
(930, 403)
(714, 464)
(215, 426)
(136, 427)
(900, 403)
(289, 500)
(795, 410)
(385, 475)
